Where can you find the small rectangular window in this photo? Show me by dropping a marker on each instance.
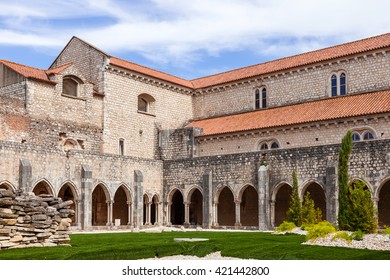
(121, 147)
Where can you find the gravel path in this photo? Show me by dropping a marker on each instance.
(212, 256)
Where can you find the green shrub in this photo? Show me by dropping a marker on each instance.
(362, 214)
(358, 235)
(386, 230)
(319, 230)
(310, 214)
(285, 226)
(294, 213)
(343, 235)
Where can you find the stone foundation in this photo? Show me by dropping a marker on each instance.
(27, 220)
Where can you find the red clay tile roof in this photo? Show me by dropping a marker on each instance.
(150, 72)
(322, 110)
(27, 71)
(34, 73)
(335, 52)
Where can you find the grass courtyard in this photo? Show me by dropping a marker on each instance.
(131, 246)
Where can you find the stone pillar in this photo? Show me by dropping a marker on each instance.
(208, 213)
(138, 210)
(110, 204)
(85, 197)
(78, 211)
(187, 213)
(263, 191)
(25, 173)
(148, 214)
(272, 202)
(129, 213)
(169, 204)
(158, 211)
(331, 190)
(238, 213)
(215, 206)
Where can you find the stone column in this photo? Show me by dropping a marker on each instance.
(208, 211)
(158, 213)
(85, 197)
(138, 211)
(25, 173)
(169, 204)
(238, 213)
(272, 203)
(332, 203)
(187, 213)
(109, 212)
(129, 213)
(147, 218)
(263, 191)
(215, 206)
(78, 211)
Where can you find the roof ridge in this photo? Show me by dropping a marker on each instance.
(24, 65)
(289, 58)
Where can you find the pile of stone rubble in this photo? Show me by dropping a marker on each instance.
(27, 220)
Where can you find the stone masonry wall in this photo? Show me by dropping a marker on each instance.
(317, 134)
(30, 221)
(370, 161)
(139, 130)
(296, 85)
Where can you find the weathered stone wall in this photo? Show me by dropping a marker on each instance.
(30, 221)
(370, 162)
(139, 130)
(314, 134)
(296, 85)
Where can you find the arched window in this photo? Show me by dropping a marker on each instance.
(368, 135)
(355, 137)
(338, 84)
(70, 86)
(269, 144)
(264, 146)
(274, 145)
(260, 98)
(146, 103)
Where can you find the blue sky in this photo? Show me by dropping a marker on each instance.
(188, 39)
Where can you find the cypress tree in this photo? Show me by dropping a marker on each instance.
(344, 153)
(294, 213)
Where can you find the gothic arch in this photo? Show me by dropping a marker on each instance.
(176, 199)
(120, 210)
(369, 187)
(226, 207)
(43, 186)
(7, 186)
(100, 200)
(281, 197)
(195, 198)
(68, 191)
(383, 197)
(249, 206)
(154, 209)
(317, 194)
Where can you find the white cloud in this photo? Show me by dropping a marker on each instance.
(179, 31)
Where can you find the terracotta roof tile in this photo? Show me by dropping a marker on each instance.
(58, 70)
(322, 110)
(335, 52)
(150, 72)
(27, 71)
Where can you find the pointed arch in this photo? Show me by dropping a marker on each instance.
(100, 199)
(383, 196)
(368, 186)
(5, 185)
(154, 213)
(317, 194)
(195, 197)
(68, 191)
(43, 187)
(249, 206)
(281, 196)
(120, 207)
(226, 207)
(177, 207)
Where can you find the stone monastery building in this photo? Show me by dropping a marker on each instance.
(135, 147)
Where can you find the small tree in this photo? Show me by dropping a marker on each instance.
(294, 213)
(310, 214)
(362, 215)
(344, 153)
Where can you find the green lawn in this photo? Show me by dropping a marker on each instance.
(130, 246)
